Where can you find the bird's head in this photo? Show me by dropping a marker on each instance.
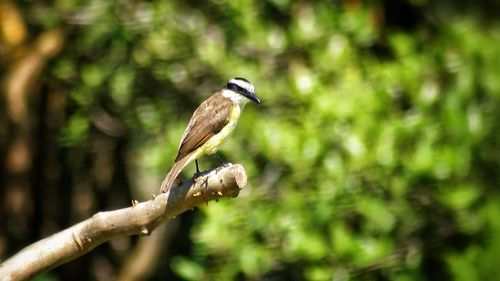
(242, 87)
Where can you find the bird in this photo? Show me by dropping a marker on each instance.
(212, 122)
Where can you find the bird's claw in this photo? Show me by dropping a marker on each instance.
(205, 183)
(197, 177)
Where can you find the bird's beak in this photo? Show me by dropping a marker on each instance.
(253, 97)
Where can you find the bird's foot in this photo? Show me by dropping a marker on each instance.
(199, 177)
(196, 176)
(197, 173)
(204, 183)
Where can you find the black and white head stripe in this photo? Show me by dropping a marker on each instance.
(240, 85)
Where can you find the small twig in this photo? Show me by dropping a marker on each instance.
(140, 219)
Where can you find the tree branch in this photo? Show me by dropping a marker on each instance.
(140, 219)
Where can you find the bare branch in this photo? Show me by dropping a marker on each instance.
(140, 219)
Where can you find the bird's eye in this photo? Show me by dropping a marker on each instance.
(232, 86)
(240, 89)
(235, 87)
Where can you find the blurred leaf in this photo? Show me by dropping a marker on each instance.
(187, 269)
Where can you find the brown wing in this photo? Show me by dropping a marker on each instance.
(208, 119)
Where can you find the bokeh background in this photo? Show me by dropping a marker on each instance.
(374, 155)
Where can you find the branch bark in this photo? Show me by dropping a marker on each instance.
(140, 219)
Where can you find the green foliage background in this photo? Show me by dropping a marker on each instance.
(374, 154)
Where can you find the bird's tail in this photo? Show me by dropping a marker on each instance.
(173, 173)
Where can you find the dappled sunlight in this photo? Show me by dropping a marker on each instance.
(372, 156)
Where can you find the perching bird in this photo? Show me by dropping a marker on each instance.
(210, 124)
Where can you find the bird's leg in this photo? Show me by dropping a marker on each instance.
(198, 173)
(221, 161)
(197, 169)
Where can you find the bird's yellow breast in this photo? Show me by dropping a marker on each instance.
(210, 147)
